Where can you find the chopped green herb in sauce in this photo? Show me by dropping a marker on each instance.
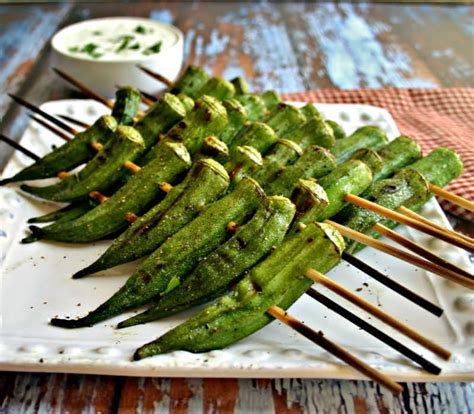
(153, 49)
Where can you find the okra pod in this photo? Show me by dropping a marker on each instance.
(171, 161)
(159, 118)
(284, 153)
(315, 162)
(178, 255)
(204, 183)
(218, 88)
(337, 129)
(70, 212)
(100, 173)
(275, 281)
(241, 86)
(228, 262)
(310, 111)
(191, 82)
(256, 134)
(310, 199)
(254, 105)
(350, 177)
(71, 154)
(127, 102)
(271, 100)
(285, 118)
(365, 137)
(237, 116)
(312, 132)
(187, 101)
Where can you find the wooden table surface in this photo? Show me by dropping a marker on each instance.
(283, 46)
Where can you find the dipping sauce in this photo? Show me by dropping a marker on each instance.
(116, 38)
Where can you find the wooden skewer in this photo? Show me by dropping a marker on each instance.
(455, 199)
(19, 147)
(50, 127)
(403, 255)
(149, 96)
(96, 195)
(393, 285)
(44, 114)
(372, 330)
(420, 250)
(74, 120)
(319, 339)
(378, 313)
(83, 88)
(132, 167)
(156, 76)
(166, 187)
(401, 218)
(419, 217)
(87, 91)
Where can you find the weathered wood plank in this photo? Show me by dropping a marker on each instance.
(346, 46)
(25, 31)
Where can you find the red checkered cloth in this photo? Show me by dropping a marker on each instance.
(434, 117)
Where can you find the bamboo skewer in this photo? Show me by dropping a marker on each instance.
(73, 120)
(454, 198)
(393, 285)
(149, 96)
(50, 127)
(419, 217)
(403, 255)
(19, 147)
(401, 218)
(372, 330)
(44, 114)
(319, 339)
(87, 91)
(416, 248)
(156, 76)
(379, 314)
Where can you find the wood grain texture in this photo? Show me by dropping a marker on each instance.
(288, 47)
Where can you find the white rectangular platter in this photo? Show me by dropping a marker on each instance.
(36, 285)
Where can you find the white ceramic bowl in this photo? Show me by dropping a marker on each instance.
(103, 74)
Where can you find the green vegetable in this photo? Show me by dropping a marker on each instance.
(70, 212)
(271, 100)
(283, 153)
(275, 281)
(312, 132)
(191, 82)
(254, 105)
(256, 134)
(218, 88)
(140, 191)
(127, 102)
(310, 112)
(366, 137)
(223, 266)
(124, 42)
(285, 118)
(100, 173)
(315, 162)
(241, 86)
(71, 154)
(178, 255)
(206, 181)
(350, 177)
(140, 29)
(337, 129)
(237, 115)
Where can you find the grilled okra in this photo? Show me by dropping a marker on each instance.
(365, 137)
(100, 173)
(71, 154)
(206, 182)
(127, 102)
(275, 281)
(227, 263)
(178, 255)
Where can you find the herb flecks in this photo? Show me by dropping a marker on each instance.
(155, 48)
(91, 50)
(140, 29)
(124, 42)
